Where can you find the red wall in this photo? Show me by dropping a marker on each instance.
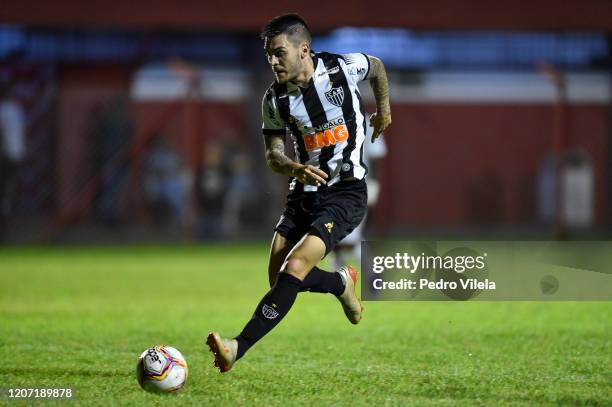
(457, 165)
(252, 15)
(82, 93)
(85, 93)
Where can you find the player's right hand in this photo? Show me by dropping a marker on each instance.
(310, 175)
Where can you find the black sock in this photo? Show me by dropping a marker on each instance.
(321, 281)
(271, 309)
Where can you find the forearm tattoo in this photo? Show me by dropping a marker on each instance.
(380, 84)
(276, 158)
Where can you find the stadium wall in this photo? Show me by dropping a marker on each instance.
(468, 164)
(451, 164)
(249, 16)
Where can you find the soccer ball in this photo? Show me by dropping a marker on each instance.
(161, 369)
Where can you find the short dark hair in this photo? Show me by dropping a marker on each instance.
(291, 24)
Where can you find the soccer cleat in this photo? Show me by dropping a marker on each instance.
(350, 303)
(225, 351)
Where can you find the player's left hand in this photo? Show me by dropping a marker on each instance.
(380, 121)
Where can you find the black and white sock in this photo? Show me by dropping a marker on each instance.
(271, 309)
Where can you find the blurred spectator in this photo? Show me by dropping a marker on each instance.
(166, 183)
(485, 199)
(211, 188)
(111, 134)
(12, 148)
(225, 188)
(547, 189)
(240, 191)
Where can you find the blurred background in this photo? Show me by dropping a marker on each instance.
(139, 121)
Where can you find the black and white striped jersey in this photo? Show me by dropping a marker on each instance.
(326, 119)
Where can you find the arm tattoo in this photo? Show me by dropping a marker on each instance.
(276, 158)
(380, 84)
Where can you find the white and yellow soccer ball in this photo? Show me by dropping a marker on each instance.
(161, 369)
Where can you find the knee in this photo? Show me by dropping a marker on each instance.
(296, 265)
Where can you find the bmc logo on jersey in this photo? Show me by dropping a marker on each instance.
(326, 138)
(335, 96)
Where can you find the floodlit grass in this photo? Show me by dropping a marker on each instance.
(80, 317)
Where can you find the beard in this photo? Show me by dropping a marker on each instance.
(290, 72)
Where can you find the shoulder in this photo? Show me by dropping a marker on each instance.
(270, 92)
(329, 57)
(356, 63)
(273, 91)
(355, 58)
(348, 59)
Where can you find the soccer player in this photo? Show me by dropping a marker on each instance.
(315, 97)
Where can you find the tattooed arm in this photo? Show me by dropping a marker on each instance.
(280, 163)
(380, 86)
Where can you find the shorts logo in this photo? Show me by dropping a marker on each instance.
(335, 96)
(329, 226)
(346, 167)
(269, 312)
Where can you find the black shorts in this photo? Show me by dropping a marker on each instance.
(330, 213)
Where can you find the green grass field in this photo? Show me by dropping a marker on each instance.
(80, 317)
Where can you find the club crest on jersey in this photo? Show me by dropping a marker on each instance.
(335, 96)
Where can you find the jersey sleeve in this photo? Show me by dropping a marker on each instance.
(357, 66)
(273, 124)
